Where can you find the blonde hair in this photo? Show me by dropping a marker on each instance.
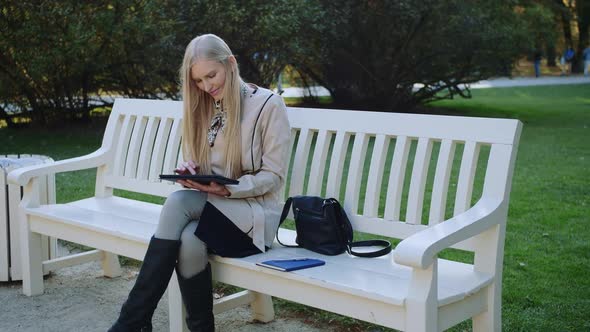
(198, 106)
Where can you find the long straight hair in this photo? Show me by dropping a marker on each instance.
(198, 106)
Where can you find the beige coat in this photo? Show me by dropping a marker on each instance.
(254, 203)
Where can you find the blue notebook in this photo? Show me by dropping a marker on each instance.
(293, 264)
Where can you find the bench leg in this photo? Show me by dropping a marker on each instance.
(110, 265)
(32, 261)
(262, 308)
(176, 310)
(422, 301)
(490, 319)
(490, 243)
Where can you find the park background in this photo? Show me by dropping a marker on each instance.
(63, 62)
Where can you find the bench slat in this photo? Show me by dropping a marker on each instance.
(373, 192)
(337, 164)
(440, 187)
(135, 146)
(355, 172)
(290, 162)
(418, 181)
(159, 148)
(396, 178)
(300, 162)
(173, 147)
(318, 163)
(147, 146)
(466, 176)
(123, 144)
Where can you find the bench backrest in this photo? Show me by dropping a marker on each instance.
(395, 173)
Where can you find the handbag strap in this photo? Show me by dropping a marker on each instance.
(367, 243)
(283, 217)
(370, 243)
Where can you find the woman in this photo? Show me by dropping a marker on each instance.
(230, 128)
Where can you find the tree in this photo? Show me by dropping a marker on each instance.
(264, 35)
(57, 59)
(60, 59)
(376, 51)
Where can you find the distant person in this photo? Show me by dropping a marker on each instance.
(586, 55)
(568, 56)
(537, 57)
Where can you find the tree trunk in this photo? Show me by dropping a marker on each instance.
(583, 10)
(551, 55)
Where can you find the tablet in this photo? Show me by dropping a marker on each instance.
(203, 179)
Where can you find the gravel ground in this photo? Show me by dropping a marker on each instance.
(79, 299)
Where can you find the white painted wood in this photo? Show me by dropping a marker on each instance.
(171, 156)
(159, 148)
(23, 175)
(409, 289)
(110, 265)
(488, 258)
(71, 260)
(14, 197)
(396, 178)
(300, 161)
(123, 145)
(466, 176)
(337, 164)
(500, 165)
(262, 308)
(147, 146)
(232, 301)
(373, 192)
(418, 182)
(318, 163)
(289, 164)
(355, 172)
(135, 146)
(10, 254)
(485, 130)
(421, 303)
(440, 187)
(4, 237)
(30, 243)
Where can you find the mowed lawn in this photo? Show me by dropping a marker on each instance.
(547, 254)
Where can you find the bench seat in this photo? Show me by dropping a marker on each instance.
(136, 221)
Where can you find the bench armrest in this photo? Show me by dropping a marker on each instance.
(419, 250)
(22, 176)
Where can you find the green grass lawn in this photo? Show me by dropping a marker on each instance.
(547, 254)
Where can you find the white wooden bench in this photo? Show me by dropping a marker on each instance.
(411, 289)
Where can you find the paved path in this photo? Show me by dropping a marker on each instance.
(79, 298)
(500, 82)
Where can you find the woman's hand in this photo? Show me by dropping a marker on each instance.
(190, 167)
(211, 188)
(187, 167)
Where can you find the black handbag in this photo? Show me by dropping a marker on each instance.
(323, 227)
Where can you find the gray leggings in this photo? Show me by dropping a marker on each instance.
(178, 221)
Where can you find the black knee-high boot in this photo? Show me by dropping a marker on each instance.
(152, 281)
(197, 295)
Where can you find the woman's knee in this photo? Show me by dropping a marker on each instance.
(185, 200)
(192, 257)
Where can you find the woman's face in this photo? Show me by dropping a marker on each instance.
(209, 75)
